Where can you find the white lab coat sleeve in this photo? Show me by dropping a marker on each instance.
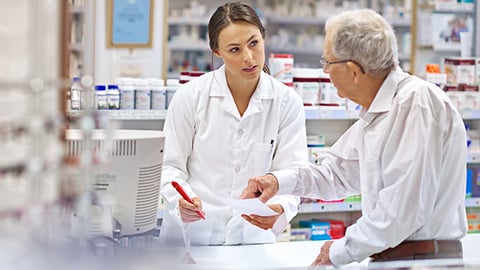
(290, 153)
(179, 132)
(290, 210)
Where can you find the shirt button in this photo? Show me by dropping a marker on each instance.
(237, 169)
(240, 132)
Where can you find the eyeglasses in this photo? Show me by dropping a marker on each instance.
(325, 62)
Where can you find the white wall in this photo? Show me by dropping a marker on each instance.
(110, 62)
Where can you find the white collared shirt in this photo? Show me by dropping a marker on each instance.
(406, 156)
(212, 151)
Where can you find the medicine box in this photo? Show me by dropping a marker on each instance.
(473, 180)
(324, 229)
(460, 70)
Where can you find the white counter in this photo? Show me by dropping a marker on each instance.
(283, 255)
(298, 255)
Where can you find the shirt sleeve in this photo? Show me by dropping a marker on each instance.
(410, 163)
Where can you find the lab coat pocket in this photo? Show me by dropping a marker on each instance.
(262, 158)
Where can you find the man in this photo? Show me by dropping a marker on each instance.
(406, 155)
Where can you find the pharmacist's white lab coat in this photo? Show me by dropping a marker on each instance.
(212, 151)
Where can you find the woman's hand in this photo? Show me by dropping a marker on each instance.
(188, 211)
(265, 222)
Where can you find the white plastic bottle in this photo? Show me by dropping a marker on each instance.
(76, 94)
(142, 95)
(113, 97)
(100, 97)
(159, 94)
(127, 93)
(172, 86)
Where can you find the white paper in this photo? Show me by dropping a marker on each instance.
(249, 206)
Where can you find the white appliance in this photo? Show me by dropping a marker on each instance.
(127, 170)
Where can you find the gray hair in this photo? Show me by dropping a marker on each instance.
(365, 37)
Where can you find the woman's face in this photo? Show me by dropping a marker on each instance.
(242, 49)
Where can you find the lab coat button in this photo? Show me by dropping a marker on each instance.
(240, 132)
(237, 169)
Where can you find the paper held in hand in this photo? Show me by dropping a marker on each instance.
(249, 206)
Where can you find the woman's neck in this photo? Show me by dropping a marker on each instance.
(242, 91)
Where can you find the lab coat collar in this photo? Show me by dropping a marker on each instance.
(220, 88)
(384, 98)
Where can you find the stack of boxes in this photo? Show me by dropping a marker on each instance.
(463, 79)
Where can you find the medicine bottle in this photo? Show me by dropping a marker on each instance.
(281, 67)
(127, 93)
(100, 97)
(113, 97)
(76, 94)
(172, 86)
(159, 94)
(306, 81)
(142, 95)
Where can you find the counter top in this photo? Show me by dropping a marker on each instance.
(299, 255)
(150, 256)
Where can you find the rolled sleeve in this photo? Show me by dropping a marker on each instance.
(338, 253)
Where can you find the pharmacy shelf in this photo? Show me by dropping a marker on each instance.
(471, 115)
(311, 113)
(472, 202)
(318, 51)
(187, 21)
(126, 114)
(329, 207)
(400, 22)
(202, 47)
(329, 113)
(315, 207)
(296, 20)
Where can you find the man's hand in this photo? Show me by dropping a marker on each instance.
(263, 187)
(265, 222)
(324, 257)
(188, 211)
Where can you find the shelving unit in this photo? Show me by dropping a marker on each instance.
(427, 48)
(73, 38)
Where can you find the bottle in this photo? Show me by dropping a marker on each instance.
(113, 97)
(172, 86)
(159, 94)
(127, 93)
(76, 94)
(142, 95)
(100, 97)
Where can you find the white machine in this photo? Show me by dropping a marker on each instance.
(129, 176)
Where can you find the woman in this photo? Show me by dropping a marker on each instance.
(225, 127)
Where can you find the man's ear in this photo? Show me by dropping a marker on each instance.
(355, 69)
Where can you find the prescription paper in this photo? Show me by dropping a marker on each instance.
(249, 206)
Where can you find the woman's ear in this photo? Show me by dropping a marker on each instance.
(216, 53)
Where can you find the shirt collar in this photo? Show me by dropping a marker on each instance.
(384, 98)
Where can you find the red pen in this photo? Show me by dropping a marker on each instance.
(185, 196)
